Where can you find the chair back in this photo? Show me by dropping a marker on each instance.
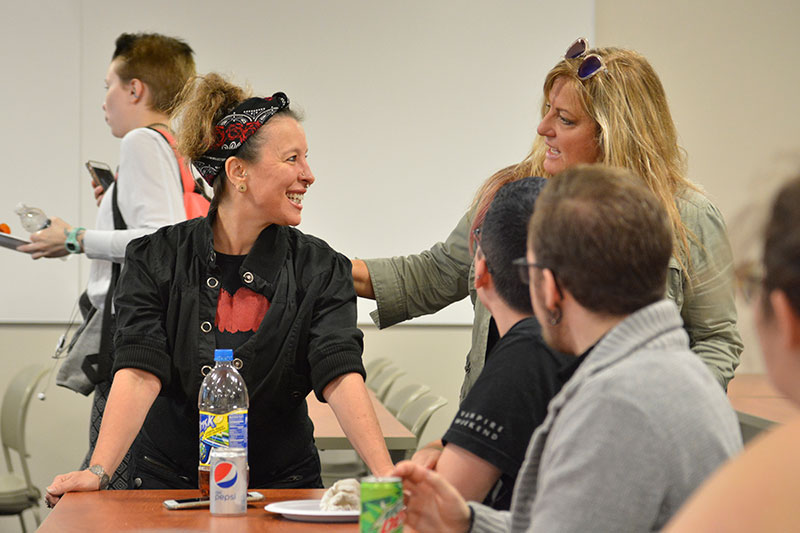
(374, 366)
(384, 381)
(397, 400)
(415, 414)
(14, 413)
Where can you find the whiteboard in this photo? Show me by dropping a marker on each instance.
(409, 106)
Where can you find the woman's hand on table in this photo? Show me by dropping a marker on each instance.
(432, 504)
(78, 481)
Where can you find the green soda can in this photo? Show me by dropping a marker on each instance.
(381, 505)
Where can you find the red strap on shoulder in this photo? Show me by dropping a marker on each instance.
(194, 203)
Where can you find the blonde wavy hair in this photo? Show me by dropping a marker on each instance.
(635, 131)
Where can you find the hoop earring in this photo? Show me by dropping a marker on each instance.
(242, 187)
(555, 316)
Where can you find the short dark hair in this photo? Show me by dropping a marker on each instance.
(163, 63)
(504, 235)
(605, 236)
(782, 245)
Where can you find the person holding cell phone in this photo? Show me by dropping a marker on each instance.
(146, 73)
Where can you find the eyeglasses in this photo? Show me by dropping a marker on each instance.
(591, 64)
(749, 279)
(524, 272)
(476, 234)
(524, 269)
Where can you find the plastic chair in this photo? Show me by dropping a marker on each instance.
(397, 400)
(375, 366)
(19, 493)
(415, 416)
(384, 381)
(340, 464)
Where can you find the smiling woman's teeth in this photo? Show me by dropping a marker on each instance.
(295, 197)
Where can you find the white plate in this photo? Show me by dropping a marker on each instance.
(309, 511)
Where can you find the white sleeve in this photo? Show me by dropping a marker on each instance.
(149, 194)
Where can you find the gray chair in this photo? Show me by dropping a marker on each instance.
(374, 366)
(384, 380)
(18, 493)
(415, 416)
(403, 396)
(340, 464)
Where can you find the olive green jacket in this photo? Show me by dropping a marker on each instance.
(421, 284)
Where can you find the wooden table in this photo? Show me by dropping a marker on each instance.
(142, 511)
(758, 404)
(328, 433)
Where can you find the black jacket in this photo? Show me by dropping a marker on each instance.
(166, 302)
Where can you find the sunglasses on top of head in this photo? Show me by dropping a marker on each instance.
(591, 64)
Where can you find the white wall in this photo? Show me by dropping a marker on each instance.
(39, 148)
(409, 107)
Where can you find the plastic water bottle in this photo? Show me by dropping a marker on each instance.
(223, 403)
(33, 219)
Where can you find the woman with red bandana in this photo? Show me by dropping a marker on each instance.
(241, 278)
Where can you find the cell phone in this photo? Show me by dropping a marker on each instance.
(9, 241)
(101, 174)
(193, 503)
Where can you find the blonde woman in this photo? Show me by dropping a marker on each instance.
(604, 105)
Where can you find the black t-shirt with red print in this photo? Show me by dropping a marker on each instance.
(239, 309)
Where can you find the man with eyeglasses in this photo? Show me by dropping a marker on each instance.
(642, 422)
(483, 449)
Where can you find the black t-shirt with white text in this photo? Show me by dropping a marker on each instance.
(507, 402)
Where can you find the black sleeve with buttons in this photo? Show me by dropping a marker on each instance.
(166, 311)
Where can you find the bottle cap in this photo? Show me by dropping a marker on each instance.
(223, 355)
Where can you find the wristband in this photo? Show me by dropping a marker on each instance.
(71, 244)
